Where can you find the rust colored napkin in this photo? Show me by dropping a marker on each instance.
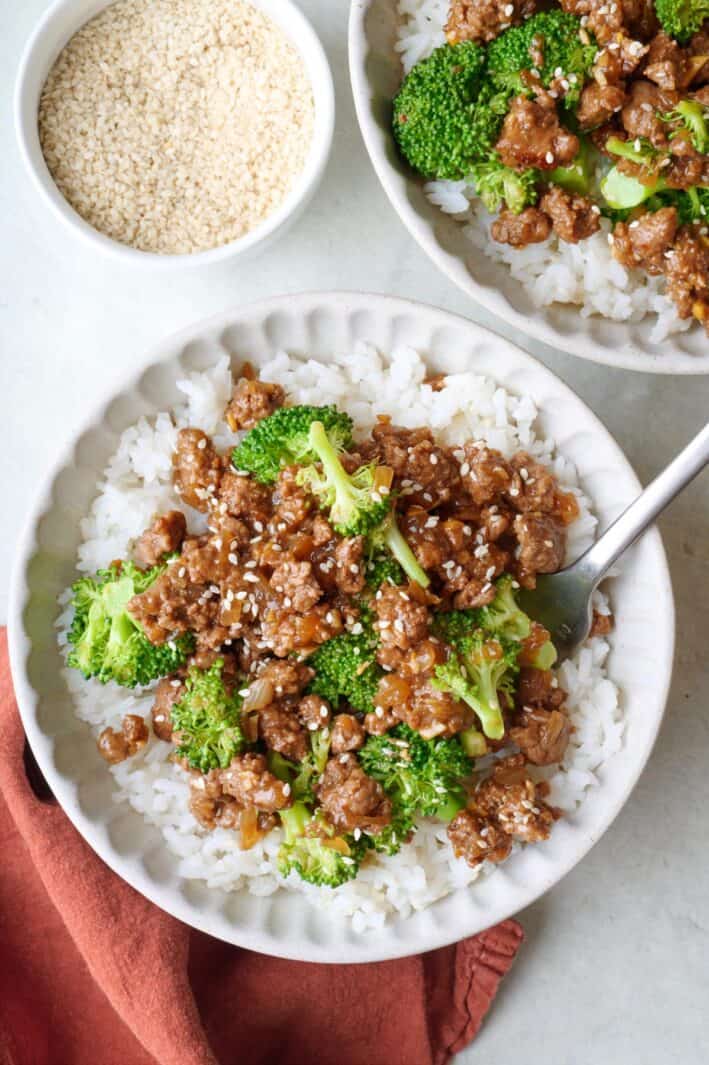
(91, 973)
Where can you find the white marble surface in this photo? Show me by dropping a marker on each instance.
(616, 966)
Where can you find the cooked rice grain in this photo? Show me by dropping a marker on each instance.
(177, 126)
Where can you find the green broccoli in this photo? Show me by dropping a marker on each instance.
(391, 838)
(681, 19)
(565, 53)
(327, 861)
(693, 118)
(480, 666)
(107, 642)
(282, 439)
(389, 536)
(578, 175)
(313, 766)
(434, 120)
(419, 776)
(497, 184)
(622, 191)
(207, 718)
(503, 617)
(354, 505)
(346, 669)
(382, 568)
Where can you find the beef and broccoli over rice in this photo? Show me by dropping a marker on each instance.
(309, 667)
(583, 123)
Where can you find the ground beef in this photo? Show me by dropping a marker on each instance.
(284, 632)
(401, 621)
(245, 498)
(531, 226)
(533, 487)
(687, 271)
(434, 713)
(427, 474)
(477, 839)
(532, 136)
(209, 805)
(483, 20)
(281, 731)
(115, 746)
(163, 537)
(286, 678)
(347, 734)
(645, 241)
(601, 624)
(349, 565)
(485, 473)
(248, 780)
(537, 687)
(668, 64)
(598, 104)
(699, 46)
(542, 543)
(168, 692)
(641, 114)
(573, 217)
(196, 468)
(687, 167)
(293, 505)
(251, 401)
(511, 799)
(609, 21)
(350, 799)
(296, 585)
(314, 713)
(541, 735)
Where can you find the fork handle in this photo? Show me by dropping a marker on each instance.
(642, 512)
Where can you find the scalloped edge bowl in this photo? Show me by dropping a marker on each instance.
(284, 924)
(375, 71)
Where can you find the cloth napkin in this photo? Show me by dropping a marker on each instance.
(91, 973)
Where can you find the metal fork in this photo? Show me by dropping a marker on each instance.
(561, 602)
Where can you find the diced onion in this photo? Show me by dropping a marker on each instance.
(260, 694)
(250, 832)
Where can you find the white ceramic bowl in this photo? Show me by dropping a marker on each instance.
(376, 73)
(61, 22)
(284, 924)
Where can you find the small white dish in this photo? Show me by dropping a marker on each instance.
(376, 73)
(56, 28)
(285, 924)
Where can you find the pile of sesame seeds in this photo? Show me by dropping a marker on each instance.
(177, 126)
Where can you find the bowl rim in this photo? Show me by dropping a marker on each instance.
(537, 325)
(65, 790)
(297, 28)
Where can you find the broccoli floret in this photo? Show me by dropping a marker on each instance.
(327, 861)
(354, 505)
(107, 642)
(681, 19)
(346, 669)
(496, 184)
(477, 669)
(313, 766)
(556, 33)
(434, 121)
(503, 617)
(419, 776)
(577, 176)
(207, 717)
(388, 535)
(282, 439)
(694, 119)
(622, 191)
(381, 568)
(391, 838)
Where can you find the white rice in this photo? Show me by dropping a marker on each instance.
(136, 485)
(552, 271)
